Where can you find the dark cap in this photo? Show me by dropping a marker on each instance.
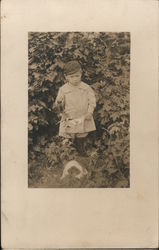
(71, 67)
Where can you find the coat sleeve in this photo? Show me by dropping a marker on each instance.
(91, 100)
(60, 98)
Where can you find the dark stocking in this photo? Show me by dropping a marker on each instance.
(80, 145)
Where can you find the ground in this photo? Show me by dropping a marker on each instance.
(97, 177)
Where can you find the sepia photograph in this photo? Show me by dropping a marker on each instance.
(79, 124)
(78, 109)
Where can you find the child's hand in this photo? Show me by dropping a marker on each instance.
(88, 116)
(59, 106)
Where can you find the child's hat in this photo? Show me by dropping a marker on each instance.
(72, 67)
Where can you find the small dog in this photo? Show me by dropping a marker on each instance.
(75, 164)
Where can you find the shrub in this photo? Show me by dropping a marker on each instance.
(105, 61)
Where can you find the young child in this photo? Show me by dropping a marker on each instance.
(77, 101)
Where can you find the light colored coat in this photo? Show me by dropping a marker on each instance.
(77, 101)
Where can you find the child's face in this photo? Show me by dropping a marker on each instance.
(75, 78)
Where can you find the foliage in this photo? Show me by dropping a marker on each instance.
(105, 61)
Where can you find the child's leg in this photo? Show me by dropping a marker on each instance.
(80, 143)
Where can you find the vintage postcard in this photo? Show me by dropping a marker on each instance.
(79, 124)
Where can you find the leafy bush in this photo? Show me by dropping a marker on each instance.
(105, 61)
